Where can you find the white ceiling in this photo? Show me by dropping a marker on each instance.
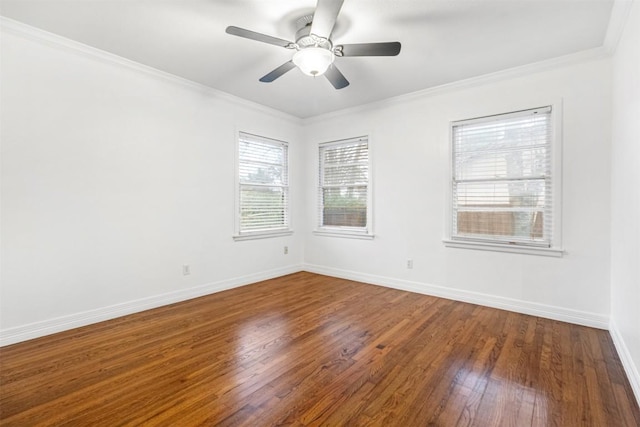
(442, 41)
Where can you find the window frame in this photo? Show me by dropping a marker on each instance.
(555, 248)
(268, 232)
(365, 232)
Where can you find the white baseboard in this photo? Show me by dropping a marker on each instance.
(594, 320)
(629, 366)
(51, 326)
(59, 324)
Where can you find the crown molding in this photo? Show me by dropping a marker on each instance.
(617, 21)
(56, 41)
(510, 73)
(619, 14)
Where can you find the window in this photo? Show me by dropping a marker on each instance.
(344, 188)
(263, 187)
(502, 180)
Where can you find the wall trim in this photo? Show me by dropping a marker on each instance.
(617, 22)
(56, 41)
(625, 357)
(59, 324)
(64, 323)
(583, 318)
(510, 73)
(619, 13)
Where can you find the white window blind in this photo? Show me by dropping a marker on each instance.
(502, 183)
(344, 185)
(263, 184)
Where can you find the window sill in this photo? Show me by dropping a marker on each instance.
(262, 235)
(344, 234)
(497, 247)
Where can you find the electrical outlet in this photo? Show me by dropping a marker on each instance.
(186, 270)
(409, 263)
(286, 250)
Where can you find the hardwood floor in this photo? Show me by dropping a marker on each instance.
(313, 350)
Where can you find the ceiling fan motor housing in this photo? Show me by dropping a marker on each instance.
(305, 39)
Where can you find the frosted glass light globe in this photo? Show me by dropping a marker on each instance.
(313, 61)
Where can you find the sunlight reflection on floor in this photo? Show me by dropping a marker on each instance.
(496, 396)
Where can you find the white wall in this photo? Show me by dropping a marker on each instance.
(409, 143)
(625, 199)
(113, 177)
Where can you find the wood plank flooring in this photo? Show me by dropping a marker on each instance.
(311, 350)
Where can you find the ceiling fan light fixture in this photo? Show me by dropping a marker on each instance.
(313, 61)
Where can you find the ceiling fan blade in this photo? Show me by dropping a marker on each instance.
(248, 34)
(268, 78)
(324, 18)
(369, 49)
(335, 77)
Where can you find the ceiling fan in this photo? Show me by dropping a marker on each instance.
(314, 51)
